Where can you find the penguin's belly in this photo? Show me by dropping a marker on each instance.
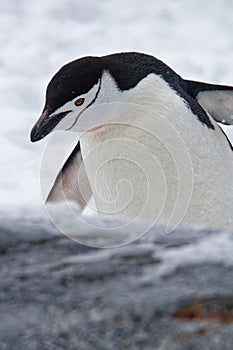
(136, 175)
(127, 181)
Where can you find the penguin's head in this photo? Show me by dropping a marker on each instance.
(72, 89)
(85, 83)
(88, 92)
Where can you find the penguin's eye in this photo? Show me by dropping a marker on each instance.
(79, 101)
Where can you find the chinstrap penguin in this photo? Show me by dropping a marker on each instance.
(140, 122)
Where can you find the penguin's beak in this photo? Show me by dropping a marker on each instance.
(45, 124)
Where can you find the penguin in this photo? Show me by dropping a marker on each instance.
(150, 145)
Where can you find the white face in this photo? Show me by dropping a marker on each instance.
(92, 109)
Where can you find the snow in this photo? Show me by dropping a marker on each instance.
(36, 38)
(199, 253)
(170, 259)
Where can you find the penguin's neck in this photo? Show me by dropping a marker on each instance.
(157, 159)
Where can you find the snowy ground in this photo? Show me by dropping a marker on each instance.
(36, 38)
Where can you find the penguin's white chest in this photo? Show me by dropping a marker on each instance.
(160, 161)
(123, 170)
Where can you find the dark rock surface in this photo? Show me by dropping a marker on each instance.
(164, 292)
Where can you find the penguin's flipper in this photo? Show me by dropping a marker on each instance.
(72, 182)
(217, 100)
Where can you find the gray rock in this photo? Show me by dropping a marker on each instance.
(162, 292)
